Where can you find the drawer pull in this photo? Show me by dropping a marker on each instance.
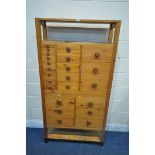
(67, 87)
(68, 78)
(90, 112)
(47, 46)
(49, 87)
(49, 81)
(48, 54)
(97, 55)
(49, 74)
(94, 85)
(49, 69)
(48, 58)
(95, 70)
(68, 59)
(59, 121)
(59, 102)
(48, 63)
(68, 68)
(48, 49)
(58, 111)
(90, 104)
(68, 49)
(88, 123)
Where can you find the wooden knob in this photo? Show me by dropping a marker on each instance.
(68, 68)
(49, 87)
(48, 58)
(88, 123)
(49, 74)
(95, 70)
(94, 85)
(48, 54)
(47, 46)
(59, 102)
(67, 87)
(90, 112)
(68, 49)
(59, 111)
(90, 104)
(49, 69)
(48, 49)
(97, 55)
(49, 81)
(67, 77)
(68, 59)
(59, 121)
(48, 63)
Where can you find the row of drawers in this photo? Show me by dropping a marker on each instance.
(80, 112)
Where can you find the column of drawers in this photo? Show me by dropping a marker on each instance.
(68, 64)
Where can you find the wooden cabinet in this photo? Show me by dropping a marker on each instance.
(76, 80)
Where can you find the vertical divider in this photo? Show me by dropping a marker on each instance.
(80, 69)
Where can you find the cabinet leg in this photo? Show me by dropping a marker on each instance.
(45, 140)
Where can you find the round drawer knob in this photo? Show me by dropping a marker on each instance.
(48, 58)
(97, 55)
(48, 54)
(68, 78)
(90, 104)
(59, 121)
(49, 69)
(90, 112)
(47, 46)
(59, 102)
(94, 85)
(95, 70)
(48, 63)
(49, 74)
(68, 49)
(49, 81)
(67, 87)
(48, 49)
(68, 59)
(88, 123)
(68, 68)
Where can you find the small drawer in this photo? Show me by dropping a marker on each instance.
(50, 85)
(68, 48)
(68, 86)
(90, 124)
(49, 75)
(67, 68)
(97, 53)
(51, 59)
(95, 69)
(68, 77)
(49, 52)
(68, 57)
(59, 122)
(49, 64)
(90, 102)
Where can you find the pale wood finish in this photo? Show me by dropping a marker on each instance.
(76, 80)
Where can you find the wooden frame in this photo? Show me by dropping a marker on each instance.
(41, 34)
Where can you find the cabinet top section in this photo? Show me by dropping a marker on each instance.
(79, 20)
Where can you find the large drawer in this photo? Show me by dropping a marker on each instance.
(97, 52)
(95, 69)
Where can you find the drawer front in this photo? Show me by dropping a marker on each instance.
(93, 86)
(97, 53)
(49, 65)
(67, 68)
(50, 85)
(68, 77)
(90, 102)
(49, 75)
(95, 69)
(59, 122)
(90, 124)
(68, 86)
(51, 59)
(68, 57)
(69, 48)
(49, 52)
(55, 101)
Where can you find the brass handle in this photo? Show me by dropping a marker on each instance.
(68, 49)
(95, 70)
(90, 112)
(59, 121)
(59, 102)
(88, 123)
(94, 85)
(68, 59)
(67, 87)
(90, 104)
(97, 55)
(68, 68)
(68, 78)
